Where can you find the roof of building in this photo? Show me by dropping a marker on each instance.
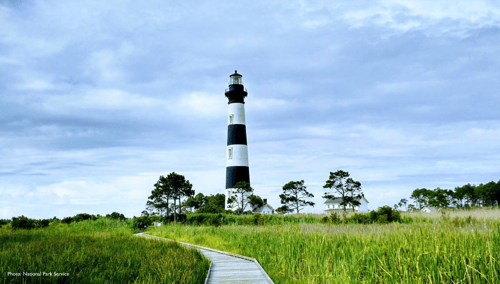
(260, 209)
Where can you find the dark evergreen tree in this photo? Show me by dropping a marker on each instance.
(255, 201)
(439, 198)
(470, 194)
(173, 188)
(160, 197)
(196, 202)
(488, 194)
(459, 196)
(347, 189)
(293, 196)
(284, 209)
(116, 216)
(214, 204)
(180, 188)
(421, 197)
(497, 193)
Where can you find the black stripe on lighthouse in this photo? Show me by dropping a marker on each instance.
(236, 134)
(236, 174)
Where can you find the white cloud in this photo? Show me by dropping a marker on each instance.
(404, 15)
(272, 104)
(106, 65)
(199, 104)
(98, 100)
(11, 192)
(36, 85)
(115, 99)
(105, 194)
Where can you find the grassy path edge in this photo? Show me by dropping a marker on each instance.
(213, 250)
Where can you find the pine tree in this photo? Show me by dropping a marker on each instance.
(293, 196)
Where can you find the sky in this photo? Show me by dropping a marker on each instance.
(100, 98)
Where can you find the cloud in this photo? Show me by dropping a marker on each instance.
(433, 17)
(200, 105)
(396, 92)
(108, 196)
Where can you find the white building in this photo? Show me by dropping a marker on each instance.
(429, 209)
(333, 205)
(264, 209)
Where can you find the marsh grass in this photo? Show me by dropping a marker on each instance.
(478, 213)
(431, 249)
(102, 251)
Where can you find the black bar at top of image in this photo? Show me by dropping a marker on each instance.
(236, 174)
(236, 134)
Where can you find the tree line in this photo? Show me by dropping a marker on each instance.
(23, 222)
(483, 195)
(173, 195)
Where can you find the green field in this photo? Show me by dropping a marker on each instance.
(101, 251)
(456, 247)
(450, 247)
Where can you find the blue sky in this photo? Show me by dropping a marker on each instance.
(97, 99)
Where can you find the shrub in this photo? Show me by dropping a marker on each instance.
(181, 218)
(4, 222)
(84, 216)
(391, 215)
(116, 215)
(67, 220)
(210, 219)
(22, 222)
(214, 220)
(259, 219)
(382, 219)
(335, 218)
(41, 223)
(361, 218)
(141, 223)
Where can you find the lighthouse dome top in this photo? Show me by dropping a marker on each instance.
(235, 78)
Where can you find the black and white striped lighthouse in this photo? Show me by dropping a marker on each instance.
(237, 152)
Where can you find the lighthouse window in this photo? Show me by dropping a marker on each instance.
(231, 117)
(236, 80)
(230, 153)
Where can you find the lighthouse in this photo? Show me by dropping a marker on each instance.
(237, 152)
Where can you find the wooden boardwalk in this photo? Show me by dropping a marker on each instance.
(227, 267)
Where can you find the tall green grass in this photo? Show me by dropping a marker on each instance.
(231, 219)
(441, 250)
(101, 251)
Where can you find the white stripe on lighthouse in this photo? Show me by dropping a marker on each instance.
(239, 155)
(238, 112)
